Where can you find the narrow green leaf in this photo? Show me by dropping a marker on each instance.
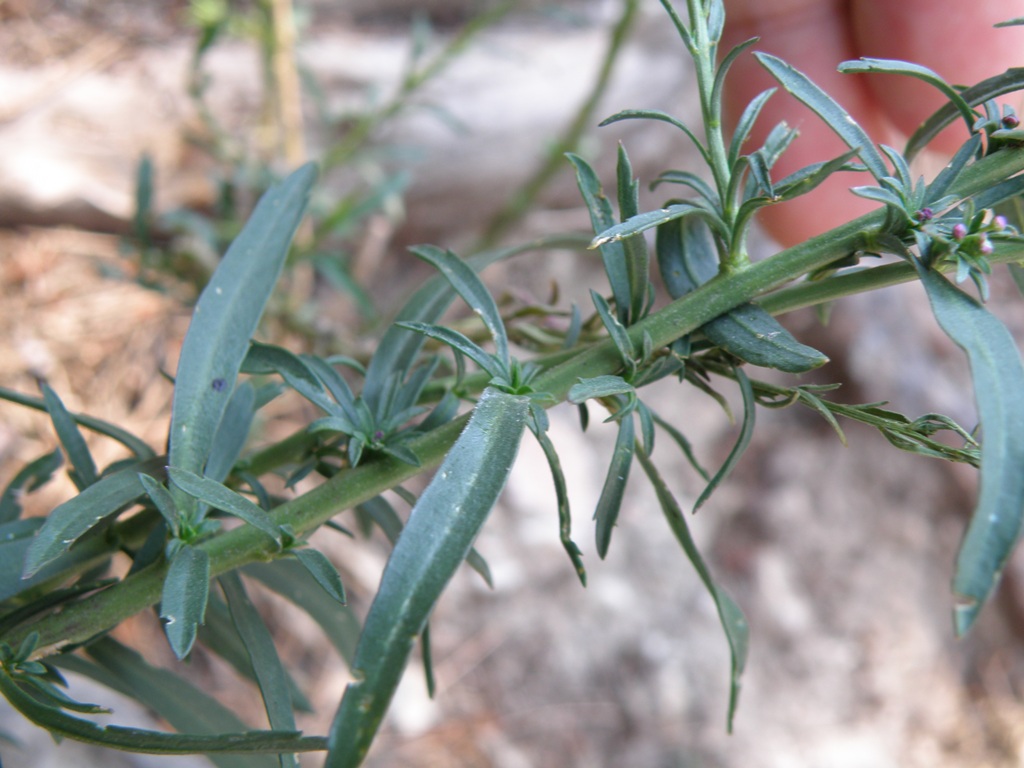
(17, 536)
(998, 377)
(1008, 82)
(637, 259)
(460, 343)
(336, 384)
(896, 67)
(835, 116)
(680, 439)
(652, 114)
(33, 475)
(226, 317)
(616, 330)
(564, 513)
(694, 182)
(384, 515)
(687, 257)
(50, 694)
(742, 441)
(951, 172)
(183, 600)
(472, 290)
(78, 515)
(435, 541)
(399, 348)
(219, 636)
(162, 500)
(809, 178)
(292, 581)
(599, 386)
(232, 432)
(644, 221)
(270, 674)
(610, 502)
(84, 468)
(737, 631)
(753, 335)
(266, 358)
(746, 124)
(146, 741)
(128, 440)
(613, 254)
(323, 570)
(223, 498)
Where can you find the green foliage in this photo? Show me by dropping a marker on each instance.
(390, 411)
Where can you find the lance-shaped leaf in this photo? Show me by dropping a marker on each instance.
(16, 538)
(599, 386)
(613, 254)
(323, 571)
(292, 581)
(835, 116)
(266, 358)
(896, 67)
(186, 708)
(183, 599)
(616, 330)
(998, 377)
(753, 335)
(472, 290)
(83, 468)
(742, 441)
(266, 664)
(146, 741)
(128, 440)
(746, 124)
(462, 344)
(232, 432)
(644, 221)
(687, 257)
(435, 541)
(637, 259)
(1007, 82)
(226, 317)
(564, 512)
(78, 515)
(737, 631)
(223, 498)
(614, 489)
(651, 114)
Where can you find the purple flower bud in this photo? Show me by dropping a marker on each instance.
(959, 231)
(1010, 121)
(999, 223)
(378, 435)
(923, 215)
(986, 246)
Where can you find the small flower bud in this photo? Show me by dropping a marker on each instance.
(1010, 121)
(959, 231)
(998, 223)
(923, 215)
(986, 246)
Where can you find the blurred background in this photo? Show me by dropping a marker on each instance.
(134, 139)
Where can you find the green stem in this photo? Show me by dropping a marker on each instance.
(106, 609)
(817, 292)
